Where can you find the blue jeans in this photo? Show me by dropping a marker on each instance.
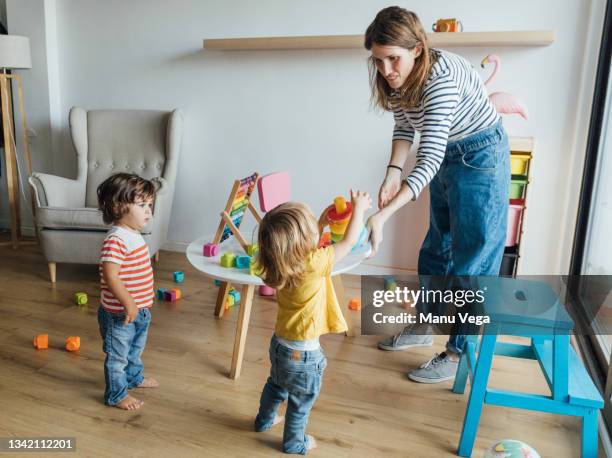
(123, 345)
(468, 213)
(295, 377)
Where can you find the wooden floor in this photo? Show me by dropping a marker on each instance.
(367, 407)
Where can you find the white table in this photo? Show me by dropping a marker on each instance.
(211, 267)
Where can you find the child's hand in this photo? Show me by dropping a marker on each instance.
(130, 313)
(361, 201)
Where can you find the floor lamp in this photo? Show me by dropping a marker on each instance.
(14, 54)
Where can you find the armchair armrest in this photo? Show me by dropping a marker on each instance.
(54, 191)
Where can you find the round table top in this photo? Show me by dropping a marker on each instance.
(211, 267)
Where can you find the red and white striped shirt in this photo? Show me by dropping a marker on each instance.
(130, 251)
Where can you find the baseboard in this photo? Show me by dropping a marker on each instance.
(28, 231)
(365, 268)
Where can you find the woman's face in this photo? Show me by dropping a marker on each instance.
(394, 63)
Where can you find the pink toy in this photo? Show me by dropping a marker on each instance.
(273, 189)
(265, 290)
(503, 102)
(211, 249)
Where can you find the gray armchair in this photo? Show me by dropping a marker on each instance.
(144, 142)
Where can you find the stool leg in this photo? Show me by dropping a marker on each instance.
(589, 434)
(462, 370)
(477, 395)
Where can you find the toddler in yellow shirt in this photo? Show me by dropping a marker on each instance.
(291, 262)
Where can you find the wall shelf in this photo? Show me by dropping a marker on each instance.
(441, 40)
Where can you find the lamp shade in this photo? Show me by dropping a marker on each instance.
(15, 52)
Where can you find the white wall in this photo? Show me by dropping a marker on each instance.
(306, 111)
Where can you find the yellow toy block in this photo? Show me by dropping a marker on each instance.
(73, 343)
(41, 341)
(252, 249)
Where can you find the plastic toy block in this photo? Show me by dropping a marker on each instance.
(252, 249)
(228, 260)
(73, 343)
(254, 268)
(80, 298)
(179, 277)
(390, 283)
(229, 302)
(210, 249)
(236, 295)
(340, 204)
(243, 262)
(355, 304)
(161, 293)
(41, 341)
(265, 290)
(172, 295)
(218, 282)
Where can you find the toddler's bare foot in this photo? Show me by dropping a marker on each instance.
(129, 403)
(278, 419)
(312, 443)
(148, 382)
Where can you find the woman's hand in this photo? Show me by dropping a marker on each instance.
(375, 225)
(389, 187)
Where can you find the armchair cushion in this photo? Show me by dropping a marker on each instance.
(86, 218)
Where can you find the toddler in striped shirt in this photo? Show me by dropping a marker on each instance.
(126, 284)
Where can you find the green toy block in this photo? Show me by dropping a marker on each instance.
(80, 298)
(228, 260)
(252, 249)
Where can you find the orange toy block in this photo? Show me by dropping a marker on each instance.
(355, 304)
(41, 341)
(73, 343)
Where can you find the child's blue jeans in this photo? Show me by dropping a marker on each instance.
(295, 377)
(123, 345)
(468, 212)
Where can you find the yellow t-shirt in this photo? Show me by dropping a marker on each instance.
(311, 309)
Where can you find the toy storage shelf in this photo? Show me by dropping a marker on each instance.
(439, 39)
(521, 149)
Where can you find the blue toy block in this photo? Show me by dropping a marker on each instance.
(236, 295)
(161, 294)
(218, 282)
(179, 277)
(243, 262)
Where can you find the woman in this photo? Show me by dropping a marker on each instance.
(463, 155)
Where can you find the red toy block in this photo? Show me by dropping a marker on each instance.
(41, 341)
(73, 343)
(355, 304)
(210, 250)
(172, 295)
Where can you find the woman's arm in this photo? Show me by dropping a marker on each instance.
(393, 176)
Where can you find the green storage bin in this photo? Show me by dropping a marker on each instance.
(517, 186)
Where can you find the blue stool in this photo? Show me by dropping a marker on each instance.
(529, 309)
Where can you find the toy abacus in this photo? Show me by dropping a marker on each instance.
(237, 204)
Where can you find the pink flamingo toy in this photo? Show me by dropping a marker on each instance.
(503, 102)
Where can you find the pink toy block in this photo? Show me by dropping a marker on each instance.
(210, 250)
(265, 290)
(273, 189)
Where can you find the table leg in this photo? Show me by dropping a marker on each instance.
(221, 298)
(339, 288)
(477, 394)
(241, 330)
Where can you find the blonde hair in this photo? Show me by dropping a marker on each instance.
(395, 26)
(287, 235)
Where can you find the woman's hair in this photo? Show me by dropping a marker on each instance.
(118, 191)
(395, 26)
(287, 235)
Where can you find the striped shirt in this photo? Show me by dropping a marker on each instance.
(129, 250)
(453, 106)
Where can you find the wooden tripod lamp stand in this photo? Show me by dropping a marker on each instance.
(14, 54)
